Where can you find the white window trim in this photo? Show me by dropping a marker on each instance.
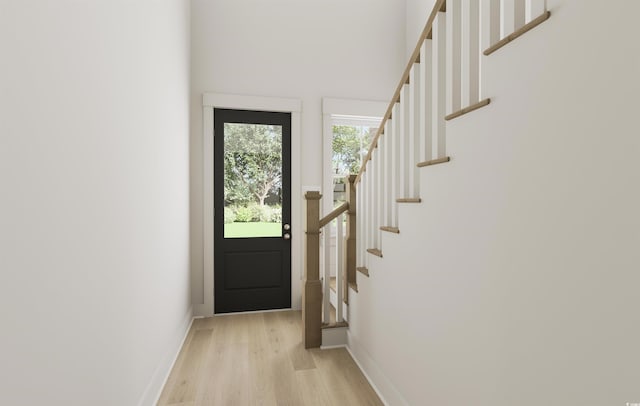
(348, 112)
(211, 101)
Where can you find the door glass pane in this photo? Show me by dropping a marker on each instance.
(252, 180)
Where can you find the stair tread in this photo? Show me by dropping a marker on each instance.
(363, 270)
(375, 251)
(526, 28)
(434, 162)
(468, 109)
(335, 325)
(409, 200)
(389, 229)
(353, 286)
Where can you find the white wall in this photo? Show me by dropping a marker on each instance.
(418, 12)
(300, 49)
(94, 198)
(515, 282)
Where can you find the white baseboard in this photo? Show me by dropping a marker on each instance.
(333, 347)
(152, 394)
(386, 391)
(253, 312)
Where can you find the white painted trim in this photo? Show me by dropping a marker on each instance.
(232, 101)
(333, 347)
(349, 107)
(355, 120)
(253, 312)
(206, 309)
(378, 380)
(226, 101)
(160, 376)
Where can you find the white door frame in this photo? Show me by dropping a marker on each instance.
(211, 101)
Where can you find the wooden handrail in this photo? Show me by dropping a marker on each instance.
(415, 58)
(334, 214)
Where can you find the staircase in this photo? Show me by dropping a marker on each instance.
(443, 81)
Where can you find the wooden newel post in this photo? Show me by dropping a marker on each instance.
(312, 292)
(350, 251)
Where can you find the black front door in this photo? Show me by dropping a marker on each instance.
(252, 200)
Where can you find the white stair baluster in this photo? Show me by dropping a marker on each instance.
(454, 55)
(415, 110)
(507, 17)
(490, 22)
(380, 189)
(373, 180)
(395, 164)
(359, 222)
(388, 178)
(364, 218)
(439, 86)
(519, 10)
(326, 272)
(426, 101)
(382, 180)
(470, 52)
(534, 9)
(405, 160)
(367, 213)
(339, 268)
(372, 212)
(490, 34)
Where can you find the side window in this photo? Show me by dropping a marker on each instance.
(350, 143)
(348, 127)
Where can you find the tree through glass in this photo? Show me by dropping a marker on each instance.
(350, 144)
(252, 180)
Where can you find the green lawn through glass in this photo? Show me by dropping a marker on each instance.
(248, 230)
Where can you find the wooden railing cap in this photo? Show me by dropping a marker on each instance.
(439, 6)
(334, 214)
(312, 195)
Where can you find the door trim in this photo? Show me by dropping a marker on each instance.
(210, 101)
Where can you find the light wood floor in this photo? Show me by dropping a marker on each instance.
(258, 359)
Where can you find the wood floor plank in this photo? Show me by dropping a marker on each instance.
(292, 328)
(258, 359)
(336, 368)
(228, 367)
(261, 389)
(175, 376)
(282, 372)
(226, 363)
(354, 378)
(313, 389)
(185, 388)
